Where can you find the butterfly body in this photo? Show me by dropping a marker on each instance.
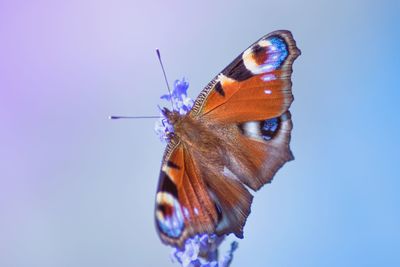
(193, 133)
(233, 140)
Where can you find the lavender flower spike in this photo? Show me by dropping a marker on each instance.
(202, 251)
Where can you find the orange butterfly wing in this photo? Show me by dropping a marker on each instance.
(183, 206)
(255, 86)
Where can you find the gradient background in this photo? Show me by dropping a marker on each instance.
(77, 189)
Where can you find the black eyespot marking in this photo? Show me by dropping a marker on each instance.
(237, 70)
(162, 208)
(167, 185)
(219, 89)
(257, 50)
(171, 164)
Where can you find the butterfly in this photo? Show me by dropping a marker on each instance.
(235, 138)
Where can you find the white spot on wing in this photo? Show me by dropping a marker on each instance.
(228, 173)
(264, 43)
(266, 68)
(268, 77)
(186, 212)
(268, 92)
(224, 79)
(252, 128)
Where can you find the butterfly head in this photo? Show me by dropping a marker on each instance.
(172, 116)
(173, 119)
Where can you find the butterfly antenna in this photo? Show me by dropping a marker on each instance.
(132, 117)
(165, 77)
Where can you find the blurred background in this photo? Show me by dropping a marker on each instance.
(77, 189)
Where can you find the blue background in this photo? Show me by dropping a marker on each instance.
(77, 189)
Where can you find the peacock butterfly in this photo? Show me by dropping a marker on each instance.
(235, 137)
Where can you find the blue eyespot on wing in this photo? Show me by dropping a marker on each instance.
(169, 215)
(265, 56)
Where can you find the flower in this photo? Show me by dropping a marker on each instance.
(181, 103)
(202, 251)
(162, 128)
(180, 88)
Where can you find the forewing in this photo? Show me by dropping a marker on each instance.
(255, 86)
(183, 205)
